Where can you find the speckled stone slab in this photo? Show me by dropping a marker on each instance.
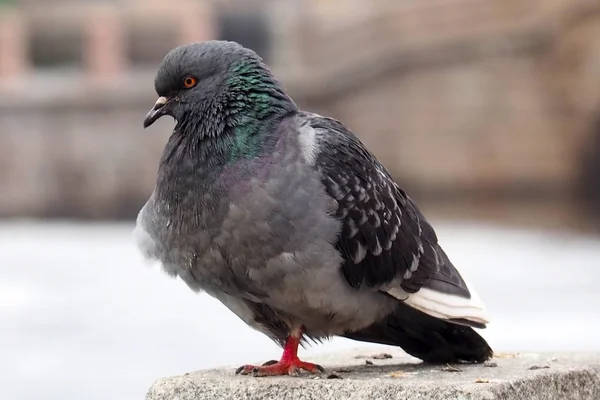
(361, 374)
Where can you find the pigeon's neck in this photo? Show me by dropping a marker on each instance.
(241, 120)
(254, 105)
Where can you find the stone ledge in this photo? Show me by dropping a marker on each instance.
(510, 376)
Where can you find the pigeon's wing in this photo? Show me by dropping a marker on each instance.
(386, 242)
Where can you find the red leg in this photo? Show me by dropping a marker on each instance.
(289, 364)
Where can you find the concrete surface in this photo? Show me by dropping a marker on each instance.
(361, 374)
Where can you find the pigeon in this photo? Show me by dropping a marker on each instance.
(285, 217)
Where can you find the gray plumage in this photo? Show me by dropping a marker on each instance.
(288, 220)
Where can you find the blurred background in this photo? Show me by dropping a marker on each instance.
(486, 111)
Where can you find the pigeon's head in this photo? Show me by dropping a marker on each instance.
(192, 74)
(199, 83)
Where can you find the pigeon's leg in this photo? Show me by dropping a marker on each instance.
(289, 364)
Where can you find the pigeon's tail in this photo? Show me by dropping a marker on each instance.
(428, 338)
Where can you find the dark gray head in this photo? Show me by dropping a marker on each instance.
(210, 87)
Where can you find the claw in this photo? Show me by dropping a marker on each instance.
(279, 368)
(289, 364)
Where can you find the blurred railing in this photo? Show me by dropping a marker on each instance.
(103, 29)
(313, 40)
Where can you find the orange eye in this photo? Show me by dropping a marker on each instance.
(190, 82)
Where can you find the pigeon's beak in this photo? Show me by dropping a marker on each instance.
(156, 112)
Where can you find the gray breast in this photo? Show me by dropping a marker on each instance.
(273, 244)
(144, 240)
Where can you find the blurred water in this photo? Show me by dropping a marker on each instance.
(82, 316)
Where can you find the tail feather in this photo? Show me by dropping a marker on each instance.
(428, 338)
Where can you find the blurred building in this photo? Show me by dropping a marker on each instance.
(470, 97)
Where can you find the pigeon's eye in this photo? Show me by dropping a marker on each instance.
(189, 82)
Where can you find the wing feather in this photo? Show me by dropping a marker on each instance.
(385, 241)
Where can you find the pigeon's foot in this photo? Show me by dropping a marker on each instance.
(279, 368)
(289, 364)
